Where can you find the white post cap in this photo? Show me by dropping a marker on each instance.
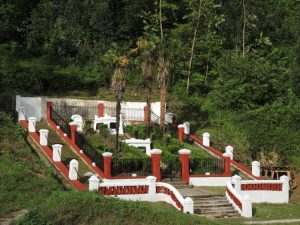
(181, 126)
(155, 151)
(74, 162)
(151, 178)
(94, 178)
(57, 146)
(44, 131)
(184, 151)
(206, 134)
(256, 163)
(72, 123)
(106, 154)
(229, 148)
(188, 200)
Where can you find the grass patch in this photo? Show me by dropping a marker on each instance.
(91, 208)
(25, 181)
(67, 153)
(277, 211)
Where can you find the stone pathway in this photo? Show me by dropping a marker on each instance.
(274, 221)
(15, 216)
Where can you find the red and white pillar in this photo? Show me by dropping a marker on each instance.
(107, 164)
(49, 105)
(185, 164)
(101, 108)
(181, 132)
(145, 114)
(227, 171)
(73, 127)
(155, 155)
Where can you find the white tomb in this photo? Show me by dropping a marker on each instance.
(79, 121)
(110, 122)
(144, 145)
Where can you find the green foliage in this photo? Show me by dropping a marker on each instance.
(61, 47)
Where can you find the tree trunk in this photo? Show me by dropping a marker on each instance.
(160, 21)
(192, 49)
(163, 98)
(118, 112)
(149, 97)
(244, 27)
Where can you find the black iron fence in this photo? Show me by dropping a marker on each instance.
(133, 114)
(203, 166)
(8, 105)
(87, 112)
(59, 121)
(170, 167)
(129, 166)
(92, 153)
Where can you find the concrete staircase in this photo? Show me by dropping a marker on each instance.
(206, 203)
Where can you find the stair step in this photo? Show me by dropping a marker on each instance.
(197, 205)
(215, 211)
(208, 196)
(205, 201)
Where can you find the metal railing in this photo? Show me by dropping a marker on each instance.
(92, 153)
(59, 121)
(133, 114)
(87, 112)
(130, 166)
(202, 166)
(170, 167)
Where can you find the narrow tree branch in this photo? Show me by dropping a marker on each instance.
(244, 27)
(160, 21)
(206, 74)
(192, 49)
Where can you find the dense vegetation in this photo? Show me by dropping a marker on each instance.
(241, 59)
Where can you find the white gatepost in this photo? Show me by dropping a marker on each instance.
(31, 124)
(237, 180)
(56, 149)
(187, 127)
(94, 183)
(229, 151)
(44, 137)
(21, 113)
(256, 168)
(247, 207)
(152, 186)
(73, 169)
(188, 205)
(285, 187)
(206, 141)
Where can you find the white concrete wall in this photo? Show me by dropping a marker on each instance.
(36, 106)
(151, 196)
(246, 210)
(209, 181)
(33, 106)
(266, 196)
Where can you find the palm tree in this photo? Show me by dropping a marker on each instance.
(147, 48)
(118, 85)
(162, 77)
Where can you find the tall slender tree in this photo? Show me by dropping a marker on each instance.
(119, 82)
(162, 78)
(147, 48)
(193, 48)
